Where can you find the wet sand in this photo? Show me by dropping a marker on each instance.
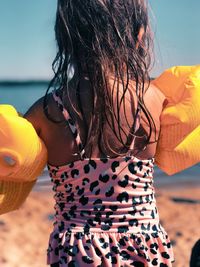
(24, 233)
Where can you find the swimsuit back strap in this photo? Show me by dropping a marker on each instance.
(70, 123)
(135, 127)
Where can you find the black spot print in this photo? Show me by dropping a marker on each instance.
(87, 168)
(86, 229)
(108, 214)
(102, 240)
(86, 247)
(140, 164)
(108, 255)
(91, 223)
(88, 241)
(124, 183)
(114, 177)
(122, 242)
(73, 208)
(132, 212)
(115, 249)
(84, 200)
(153, 251)
(145, 175)
(110, 192)
(105, 245)
(98, 218)
(123, 219)
(113, 207)
(138, 264)
(155, 262)
(81, 191)
(93, 185)
(114, 165)
(70, 198)
(104, 178)
(114, 260)
(72, 264)
(93, 164)
(122, 229)
(154, 245)
(133, 222)
(125, 255)
(57, 182)
(165, 255)
(86, 259)
(137, 180)
(85, 181)
(123, 197)
(97, 201)
(147, 237)
(127, 158)
(98, 251)
(71, 165)
(66, 216)
(130, 248)
(74, 173)
(110, 240)
(152, 214)
(68, 188)
(134, 186)
(147, 228)
(131, 168)
(169, 245)
(155, 228)
(56, 236)
(97, 192)
(64, 175)
(146, 187)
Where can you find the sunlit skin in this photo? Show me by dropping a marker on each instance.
(57, 138)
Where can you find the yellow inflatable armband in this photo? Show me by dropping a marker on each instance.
(23, 157)
(179, 143)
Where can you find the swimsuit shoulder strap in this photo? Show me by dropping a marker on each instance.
(135, 127)
(70, 123)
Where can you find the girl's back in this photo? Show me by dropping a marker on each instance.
(60, 141)
(101, 147)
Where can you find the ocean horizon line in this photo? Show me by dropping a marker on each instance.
(16, 82)
(24, 82)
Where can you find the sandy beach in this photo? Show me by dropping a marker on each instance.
(24, 233)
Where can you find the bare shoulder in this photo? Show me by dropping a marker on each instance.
(35, 114)
(155, 101)
(153, 94)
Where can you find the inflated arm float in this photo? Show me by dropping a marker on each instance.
(179, 141)
(23, 157)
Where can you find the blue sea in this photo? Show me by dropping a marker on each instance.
(23, 96)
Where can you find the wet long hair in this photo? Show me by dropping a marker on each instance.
(98, 38)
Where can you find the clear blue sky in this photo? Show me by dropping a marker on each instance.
(27, 45)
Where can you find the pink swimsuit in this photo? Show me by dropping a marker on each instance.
(106, 213)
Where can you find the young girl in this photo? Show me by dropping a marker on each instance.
(101, 126)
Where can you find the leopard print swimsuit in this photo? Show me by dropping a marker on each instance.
(106, 212)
